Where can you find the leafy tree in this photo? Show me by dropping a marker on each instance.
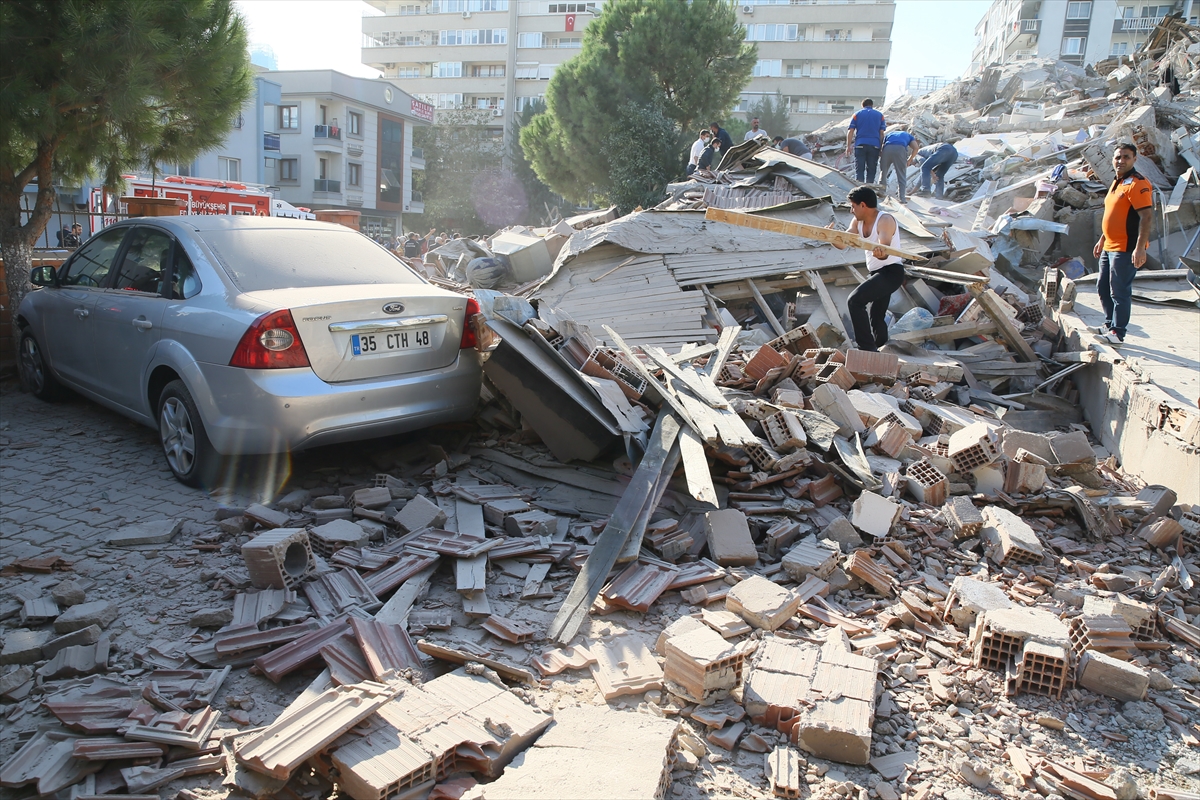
(110, 85)
(540, 199)
(688, 59)
(458, 151)
(638, 175)
(772, 113)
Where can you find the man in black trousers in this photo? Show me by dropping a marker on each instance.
(869, 302)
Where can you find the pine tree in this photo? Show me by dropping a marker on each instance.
(107, 86)
(687, 60)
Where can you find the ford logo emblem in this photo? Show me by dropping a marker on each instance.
(394, 308)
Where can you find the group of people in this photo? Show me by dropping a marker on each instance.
(70, 238)
(413, 245)
(873, 146)
(714, 140)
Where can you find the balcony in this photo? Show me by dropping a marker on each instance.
(1023, 27)
(417, 159)
(271, 142)
(325, 186)
(327, 139)
(820, 49)
(1136, 24)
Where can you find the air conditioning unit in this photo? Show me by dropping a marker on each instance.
(747, 9)
(466, 15)
(497, 112)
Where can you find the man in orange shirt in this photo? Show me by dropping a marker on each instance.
(1124, 240)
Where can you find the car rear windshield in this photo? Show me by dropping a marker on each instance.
(299, 258)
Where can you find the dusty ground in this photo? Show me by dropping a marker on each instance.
(72, 472)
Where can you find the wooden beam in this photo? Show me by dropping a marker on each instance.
(943, 333)
(945, 276)
(841, 239)
(725, 343)
(765, 309)
(990, 303)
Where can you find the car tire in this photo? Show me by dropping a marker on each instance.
(33, 371)
(190, 455)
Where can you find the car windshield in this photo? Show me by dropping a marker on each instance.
(276, 258)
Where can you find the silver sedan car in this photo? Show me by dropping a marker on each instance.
(241, 335)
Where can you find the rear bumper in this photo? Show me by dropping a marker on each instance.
(248, 411)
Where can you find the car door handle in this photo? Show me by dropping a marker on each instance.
(81, 312)
(143, 324)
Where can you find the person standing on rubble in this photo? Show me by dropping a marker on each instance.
(755, 132)
(899, 150)
(868, 303)
(939, 158)
(864, 138)
(698, 150)
(720, 135)
(1124, 240)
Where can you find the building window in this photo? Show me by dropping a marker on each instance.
(289, 118)
(354, 174)
(323, 169)
(836, 71)
(799, 70)
(570, 8)
(183, 170)
(772, 33)
(1073, 46)
(449, 100)
(484, 36)
(525, 102)
(527, 72)
(1119, 49)
(409, 11)
(229, 169)
(447, 69)
(354, 123)
(797, 105)
(529, 39)
(289, 169)
(768, 68)
(1154, 12)
(838, 35)
(408, 72)
(485, 103)
(391, 39)
(876, 70)
(572, 43)
(1079, 10)
(391, 152)
(458, 6)
(487, 71)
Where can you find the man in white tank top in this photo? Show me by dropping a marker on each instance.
(868, 303)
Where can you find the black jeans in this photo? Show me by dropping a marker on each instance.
(866, 159)
(868, 304)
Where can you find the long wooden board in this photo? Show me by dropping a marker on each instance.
(832, 236)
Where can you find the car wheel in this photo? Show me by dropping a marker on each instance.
(33, 371)
(191, 457)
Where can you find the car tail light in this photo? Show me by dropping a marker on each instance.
(469, 339)
(271, 342)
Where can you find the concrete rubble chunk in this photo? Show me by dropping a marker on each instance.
(624, 665)
(844, 533)
(969, 598)
(158, 531)
(420, 513)
(1000, 634)
(729, 539)
(593, 753)
(1008, 539)
(762, 602)
(97, 612)
(1072, 448)
(1112, 677)
(83, 636)
(375, 497)
(211, 617)
(327, 539)
(267, 517)
(811, 557)
(23, 646)
(874, 515)
(279, 559)
(14, 680)
(833, 402)
(68, 593)
(38, 611)
(701, 665)
(72, 662)
(293, 500)
(786, 772)
(964, 518)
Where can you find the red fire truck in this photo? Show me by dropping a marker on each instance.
(201, 195)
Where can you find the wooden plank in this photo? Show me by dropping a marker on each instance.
(988, 300)
(818, 283)
(725, 343)
(695, 467)
(641, 370)
(765, 309)
(945, 276)
(699, 384)
(841, 239)
(567, 475)
(603, 558)
(946, 332)
(633, 544)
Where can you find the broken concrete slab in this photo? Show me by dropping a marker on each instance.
(1008, 539)
(418, 514)
(624, 665)
(68, 593)
(874, 515)
(729, 539)
(23, 646)
(158, 531)
(810, 557)
(83, 636)
(97, 612)
(762, 602)
(970, 598)
(1112, 677)
(701, 665)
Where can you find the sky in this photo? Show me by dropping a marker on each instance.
(929, 37)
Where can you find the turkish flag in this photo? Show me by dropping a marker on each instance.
(570, 22)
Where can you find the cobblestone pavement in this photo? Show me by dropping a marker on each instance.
(73, 471)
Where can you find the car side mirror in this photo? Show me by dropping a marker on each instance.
(43, 276)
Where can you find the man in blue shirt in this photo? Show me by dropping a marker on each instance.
(721, 135)
(899, 150)
(865, 137)
(939, 158)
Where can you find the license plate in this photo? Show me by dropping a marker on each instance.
(366, 344)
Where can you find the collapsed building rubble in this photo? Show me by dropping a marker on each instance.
(695, 544)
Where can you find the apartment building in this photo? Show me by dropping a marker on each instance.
(1076, 31)
(491, 58)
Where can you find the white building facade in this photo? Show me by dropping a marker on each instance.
(495, 57)
(1076, 31)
